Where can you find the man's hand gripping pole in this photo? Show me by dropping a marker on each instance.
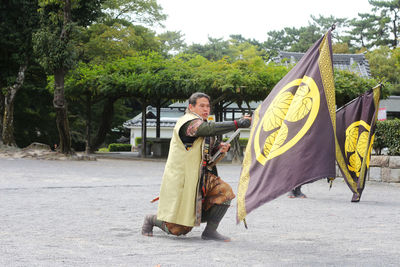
(219, 155)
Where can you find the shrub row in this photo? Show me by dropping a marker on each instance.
(387, 134)
(119, 147)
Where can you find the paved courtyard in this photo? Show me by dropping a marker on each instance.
(89, 213)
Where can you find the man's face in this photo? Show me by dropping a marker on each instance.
(202, 107)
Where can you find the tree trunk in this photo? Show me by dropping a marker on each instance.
(218, 111)
(241, 108)
(158, 119)
(88, 123)
(1, 115)
(59, 101)
(8, 117)
(144, 130)
(105, 125)
(250, 112)
(60, 106)
(395, 39)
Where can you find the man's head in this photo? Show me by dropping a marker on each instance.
(199, 103)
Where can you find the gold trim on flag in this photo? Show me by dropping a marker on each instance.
(326, 70)
(367, 154)
(245, 176)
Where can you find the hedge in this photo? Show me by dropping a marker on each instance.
(119, 147)
(387, 134)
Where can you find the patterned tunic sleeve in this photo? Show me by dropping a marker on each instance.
(198, 127)
(192, 127)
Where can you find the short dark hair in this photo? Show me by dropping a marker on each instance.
(193, 98)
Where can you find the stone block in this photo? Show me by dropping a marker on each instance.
(391, 175)
(379, 161)
(385, 172)
(394, 176)
(375, 174)
(38, 146)
(394, 162)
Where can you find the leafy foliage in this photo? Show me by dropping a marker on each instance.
(385, 66)
(18, 21)
(119, 147)
(214, 50)
(54, 44)
(136, 11)
(171, 42)
(350, 85)
(387, 134)
(113, 58)
(360, 33)
(386, 26)
(34, 115)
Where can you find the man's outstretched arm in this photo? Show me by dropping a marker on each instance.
(198, 127)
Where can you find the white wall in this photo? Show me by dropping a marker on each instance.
(165, 132)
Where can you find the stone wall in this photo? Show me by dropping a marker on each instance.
(384, 169)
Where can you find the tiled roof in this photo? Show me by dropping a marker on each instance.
(169, 117)
(352, 62)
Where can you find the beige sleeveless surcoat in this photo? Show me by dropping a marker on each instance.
(179, 188)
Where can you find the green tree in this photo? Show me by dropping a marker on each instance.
(385, 66)
(246, 49)
(361, 33)
(349, 85)
(55, 47)
(18, 21)
(114, 36)
(238, 38)
(307, 37)
(292, 39)
(381, 27)
(102, 42)
(325, 23)
(138, 12)
(34, 116)
(215, 49)
(172, 42)
(240, 81)
(387, 14)
(149, 77)
(65, 36)
(280, 40)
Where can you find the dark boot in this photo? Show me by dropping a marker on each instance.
(292, 194)
(213, 218)
(149, 222)
(298, 192)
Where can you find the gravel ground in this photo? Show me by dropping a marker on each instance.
(89, 213)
